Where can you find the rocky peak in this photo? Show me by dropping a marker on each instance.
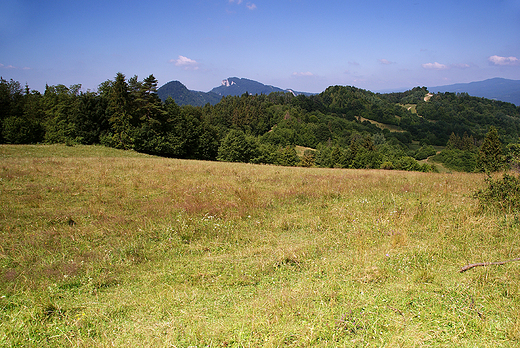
(227, 83)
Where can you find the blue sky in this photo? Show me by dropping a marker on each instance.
(300, 44)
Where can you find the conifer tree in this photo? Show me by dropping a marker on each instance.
(490, 157)
(119, 108)
(455, 142)
(468, 144)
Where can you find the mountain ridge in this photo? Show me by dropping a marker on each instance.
(497, 88)
(237, 86)
(233, 86)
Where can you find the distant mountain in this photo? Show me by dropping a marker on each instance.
(184, 96)
(497, 88)
(238, 86)
(231, 86)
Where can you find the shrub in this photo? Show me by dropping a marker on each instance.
(503, 194)
(308, 159)
(287, 156)
(387, 165)
(513, 156)
(407, 163)
(425, 152)
(459, 160)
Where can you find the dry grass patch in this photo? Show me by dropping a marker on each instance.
(99, 249)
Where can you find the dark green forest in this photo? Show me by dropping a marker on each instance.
(342, 127)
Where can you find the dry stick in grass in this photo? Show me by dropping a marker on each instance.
(470, 266)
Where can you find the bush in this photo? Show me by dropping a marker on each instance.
(287, 156)
(387, 165)
(513, 156)
(459, 160)
(308, 159)
(424, 152)
(407, 163)
(503, 194)
(410, 164)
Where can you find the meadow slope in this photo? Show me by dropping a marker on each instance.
(102, 248)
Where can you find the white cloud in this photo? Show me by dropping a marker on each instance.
(385, 61)
(249, 5)
(13, 67)
(186, 63)
(308, 73)
(497, 60)
(434, 66)
(439, 66)
(8, 66)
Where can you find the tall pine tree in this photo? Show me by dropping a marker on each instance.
(490, 157)
(120, 117)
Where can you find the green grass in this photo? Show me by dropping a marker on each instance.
(100, 247)
(411, 107)
(59, 150)
(390, 127)
(300, 150)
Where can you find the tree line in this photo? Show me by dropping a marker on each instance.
(343, 127)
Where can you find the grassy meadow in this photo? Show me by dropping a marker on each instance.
(107, 248)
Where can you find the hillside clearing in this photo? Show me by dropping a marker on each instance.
(411, 107)
(427, 97)
(390, 127)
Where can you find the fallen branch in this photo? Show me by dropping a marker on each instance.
(470, 266)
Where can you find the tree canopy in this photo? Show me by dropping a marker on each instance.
(344, 127)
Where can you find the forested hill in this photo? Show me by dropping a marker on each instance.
(438, 115)
(344, 127)
(183, 96)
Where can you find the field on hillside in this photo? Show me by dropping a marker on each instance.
(390, 127)
(103, 248)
